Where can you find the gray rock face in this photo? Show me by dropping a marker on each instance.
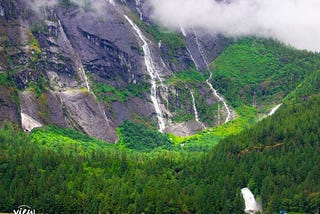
(84, 113)
(107, 47)
(185, 129)
(67, 50)
(8, 108)
(205, 47)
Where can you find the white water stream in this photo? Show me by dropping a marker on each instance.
(111, 2)
(215, 93)
(153, 73)
(1, 11)
(192, 58)
(203, 56)
(250, 202)
(196, 115)
(183, 31)
(274, 109)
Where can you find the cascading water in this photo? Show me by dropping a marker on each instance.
(193, 60)
(251, 206)
(183, 31)
(203, 56)
(190, 53)
(215, 93)
(111, 2)
(274, 109)
(138, 5)
(153, 73)
(1, 11)
(196, 115)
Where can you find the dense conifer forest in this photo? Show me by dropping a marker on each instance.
(278, 159)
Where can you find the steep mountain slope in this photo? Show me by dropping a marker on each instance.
(88, 68)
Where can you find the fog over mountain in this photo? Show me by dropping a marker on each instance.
(294, 22)
(96, 5)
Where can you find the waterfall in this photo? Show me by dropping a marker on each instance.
(153, 73)
(274, 109)
(196, 115)
(250, 202)
(81, 71)
(138, 5)
(1, 11)
(183, 31)
(111, 2)
(215, 93)
(203, 56)
(219, 117)
(192, 58)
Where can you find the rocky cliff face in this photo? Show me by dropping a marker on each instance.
(85, 68)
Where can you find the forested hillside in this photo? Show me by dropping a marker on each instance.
(260, 72)
(278, 159)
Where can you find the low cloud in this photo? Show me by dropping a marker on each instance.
(294, 22)
(36, 5)
(99, 6)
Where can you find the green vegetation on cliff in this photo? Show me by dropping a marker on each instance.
(264, 70)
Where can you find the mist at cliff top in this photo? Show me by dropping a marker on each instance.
(294, 22)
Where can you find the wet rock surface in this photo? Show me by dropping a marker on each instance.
(65, 50)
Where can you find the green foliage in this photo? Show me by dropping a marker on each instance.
(310, 86)
(5, 80)
(38, 88)
(37, 28)
(67, 140)
(137, 136)
(277, 157)
(171, 39)
(66, 3)
(209, 138)
(189, 76)
(265, 67)
(109, 93)
(70, 172)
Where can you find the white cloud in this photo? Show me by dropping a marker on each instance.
(36, 5)
(294, 22)
(99, 6)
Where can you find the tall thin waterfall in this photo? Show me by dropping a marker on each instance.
(274, 109)
(192, 58)
(203, 56)
(215, 93)
(153, 73)
(196, 115)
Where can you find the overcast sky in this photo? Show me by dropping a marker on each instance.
(294, 22)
